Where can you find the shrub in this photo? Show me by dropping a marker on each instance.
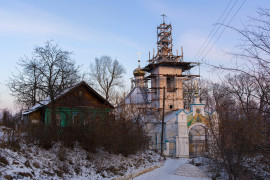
(25, 174)
(115, 135)
(124, 136)
(62, 154)
(36, 164)
(7, 119)
(4, 161)
(41, 135)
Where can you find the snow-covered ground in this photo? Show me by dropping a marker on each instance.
(57, 163)
(170, 169)
(32, 162)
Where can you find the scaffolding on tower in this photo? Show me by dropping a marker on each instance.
(165, 58)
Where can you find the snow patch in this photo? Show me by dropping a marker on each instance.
(189, 170)
(71, 163)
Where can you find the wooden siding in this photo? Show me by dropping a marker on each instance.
(81, 97)
(35, 117)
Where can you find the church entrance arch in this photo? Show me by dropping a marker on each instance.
(198, 136)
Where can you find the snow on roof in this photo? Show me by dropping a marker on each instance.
(46, 101)
(170, 115)
(149, 118)
(37, 106)
(138, 96)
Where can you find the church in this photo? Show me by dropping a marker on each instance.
(185, 132)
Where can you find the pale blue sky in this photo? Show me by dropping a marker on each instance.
(115, 28)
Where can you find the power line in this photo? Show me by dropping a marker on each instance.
(219, 26)
(225, 28)
(213, 29)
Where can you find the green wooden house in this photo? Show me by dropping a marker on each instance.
(78, 105)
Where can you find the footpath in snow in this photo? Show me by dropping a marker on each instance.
(172, 167)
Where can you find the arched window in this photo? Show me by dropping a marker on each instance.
(170, 84)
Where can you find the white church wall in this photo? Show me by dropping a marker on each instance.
(171, 129)
(171, 133)
(182, 144)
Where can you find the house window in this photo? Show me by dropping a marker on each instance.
(75, 119)
(80, 93)
(170, 84)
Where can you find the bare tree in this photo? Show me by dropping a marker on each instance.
(240, 137)
(47, 74)
(24, 84)
(247, 115)
(106, 75)
(253, 56)
(189, 91)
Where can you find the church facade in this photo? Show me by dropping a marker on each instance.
(185, 130)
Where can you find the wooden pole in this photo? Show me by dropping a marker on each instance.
(182, 53)
(162, 125)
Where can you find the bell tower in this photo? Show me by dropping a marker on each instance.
(166, 70)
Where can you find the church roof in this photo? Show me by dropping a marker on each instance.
(138, 96)
(183, 65)
(170, 115)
